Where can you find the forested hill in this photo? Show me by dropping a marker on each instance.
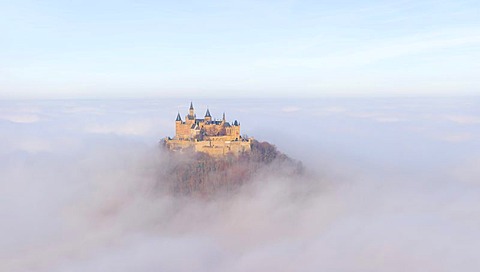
(199, 174)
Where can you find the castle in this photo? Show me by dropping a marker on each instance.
(214, 137)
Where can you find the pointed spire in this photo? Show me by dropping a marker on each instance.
(191, 105)
(178, 117)
(207, 114)
(223, 117)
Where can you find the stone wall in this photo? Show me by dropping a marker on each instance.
(220, 148)
(179, 145)
(213, 148)
(182, 131)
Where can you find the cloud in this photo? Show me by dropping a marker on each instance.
(132, 127)
(467, 171)
(379, 116)
(34, 145)
(457, 137)
(85, 110)
(335, 109)
(389, 119)
(290, 109)
(20, 118)
(100, 206)
(464, 119)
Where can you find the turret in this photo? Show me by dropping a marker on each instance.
(223, 118)
(178, 127)
(208, 117)
(191, 112)
(236, 130)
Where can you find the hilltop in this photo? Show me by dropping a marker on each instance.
(207, 156)
(198, 173)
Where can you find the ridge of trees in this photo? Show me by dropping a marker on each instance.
(200, 174)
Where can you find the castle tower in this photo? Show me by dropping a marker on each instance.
(191, 111)
(208, 117)
(190, 118)
(178, 125)
(236, 130)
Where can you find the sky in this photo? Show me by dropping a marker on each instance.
(232, 49)
(391, 184)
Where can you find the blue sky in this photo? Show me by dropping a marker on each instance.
(98, 49)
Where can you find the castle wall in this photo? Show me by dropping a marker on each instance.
(213, 148)
(178, 145)
(182, 131)
(220, 148)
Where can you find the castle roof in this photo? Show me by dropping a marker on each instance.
(214, 122)
(207, 114)
(191, 105)
(178, 117)
(194, 126)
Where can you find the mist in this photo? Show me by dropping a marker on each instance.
(391, 184)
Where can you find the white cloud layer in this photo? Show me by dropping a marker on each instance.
(379, 196)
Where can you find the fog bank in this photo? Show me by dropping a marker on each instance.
(392, 185)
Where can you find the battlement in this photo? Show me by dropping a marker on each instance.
(215, 137)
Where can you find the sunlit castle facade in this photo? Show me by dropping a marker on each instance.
(215, 137)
